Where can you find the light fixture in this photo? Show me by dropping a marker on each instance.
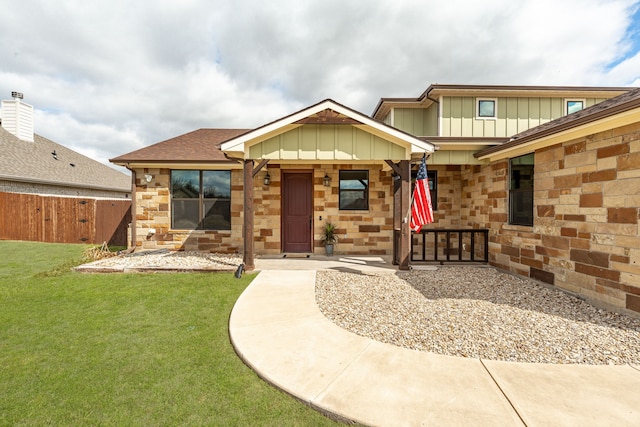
(326, 180)
(267, 179)
(148, 177)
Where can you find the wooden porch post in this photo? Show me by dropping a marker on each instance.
(247, 230)
(405, 204)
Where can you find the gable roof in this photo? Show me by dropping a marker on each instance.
(625, 107)
(430, 95)
(319, 112)
(198, 146)
(25, 161)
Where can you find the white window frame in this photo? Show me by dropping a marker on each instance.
(495, 108)
(568, 100)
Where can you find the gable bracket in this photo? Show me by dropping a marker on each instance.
(258, 168)
(328, 116)
(395, 167)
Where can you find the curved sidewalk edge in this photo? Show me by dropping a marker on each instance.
(278, 330)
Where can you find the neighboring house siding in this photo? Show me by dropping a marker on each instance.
(57, 190)
(585, 237)
(417, 121)
(514, 115)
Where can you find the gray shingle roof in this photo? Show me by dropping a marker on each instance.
(34, 162)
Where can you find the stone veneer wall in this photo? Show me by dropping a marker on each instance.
(153, 211)
(446, 215)
(360, 232)
(585, 237)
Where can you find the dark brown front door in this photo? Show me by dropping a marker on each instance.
(297, 211)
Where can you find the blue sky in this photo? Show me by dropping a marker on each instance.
(109, 77)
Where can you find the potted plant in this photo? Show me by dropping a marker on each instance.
(329, 237)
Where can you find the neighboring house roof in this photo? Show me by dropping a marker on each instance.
(322, 112)
(46, 162)
(434, 91)
(199, 146)
(624, 108)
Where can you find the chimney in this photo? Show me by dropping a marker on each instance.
(17, 117)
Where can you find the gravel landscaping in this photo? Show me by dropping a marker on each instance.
(477, 312)
(163, 259)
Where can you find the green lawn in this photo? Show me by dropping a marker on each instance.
(131, 349)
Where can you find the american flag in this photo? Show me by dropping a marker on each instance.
(421, 210)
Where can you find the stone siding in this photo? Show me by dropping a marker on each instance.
(153, 211)
(585, 235)
(359, 232)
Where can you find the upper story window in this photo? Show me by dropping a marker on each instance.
(354, 190)
(521, 190)
(486, 108)
(200, 200)
(573, 105)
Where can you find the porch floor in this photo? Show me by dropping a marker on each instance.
(323, 262)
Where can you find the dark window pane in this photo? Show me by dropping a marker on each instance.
(217, 214)
(185, 184)
(353, 200)
(184, 214)
(433, 187)
(216, 184)
(521, 190)
(354, 190)
(522, 172)
(521, 207)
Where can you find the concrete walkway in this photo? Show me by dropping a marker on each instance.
(278, 330)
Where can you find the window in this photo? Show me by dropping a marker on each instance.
(354, 190)
(200, 200)
(521, 190)
(486, 108)
(573, 105)
(433, 186)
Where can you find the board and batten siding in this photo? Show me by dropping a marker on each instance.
(417, 121)
(514, 115)
(327, 142)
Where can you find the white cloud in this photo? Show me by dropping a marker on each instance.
(109, 77)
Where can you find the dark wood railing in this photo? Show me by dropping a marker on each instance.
(450, 245)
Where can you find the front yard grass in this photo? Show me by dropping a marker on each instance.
(130, 349)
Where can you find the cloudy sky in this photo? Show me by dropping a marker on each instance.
(109, 77)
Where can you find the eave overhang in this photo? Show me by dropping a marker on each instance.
(180, 164)
(618, 116)
(434, 92)
(238, 147)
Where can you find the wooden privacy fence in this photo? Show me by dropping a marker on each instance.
(64, 219)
